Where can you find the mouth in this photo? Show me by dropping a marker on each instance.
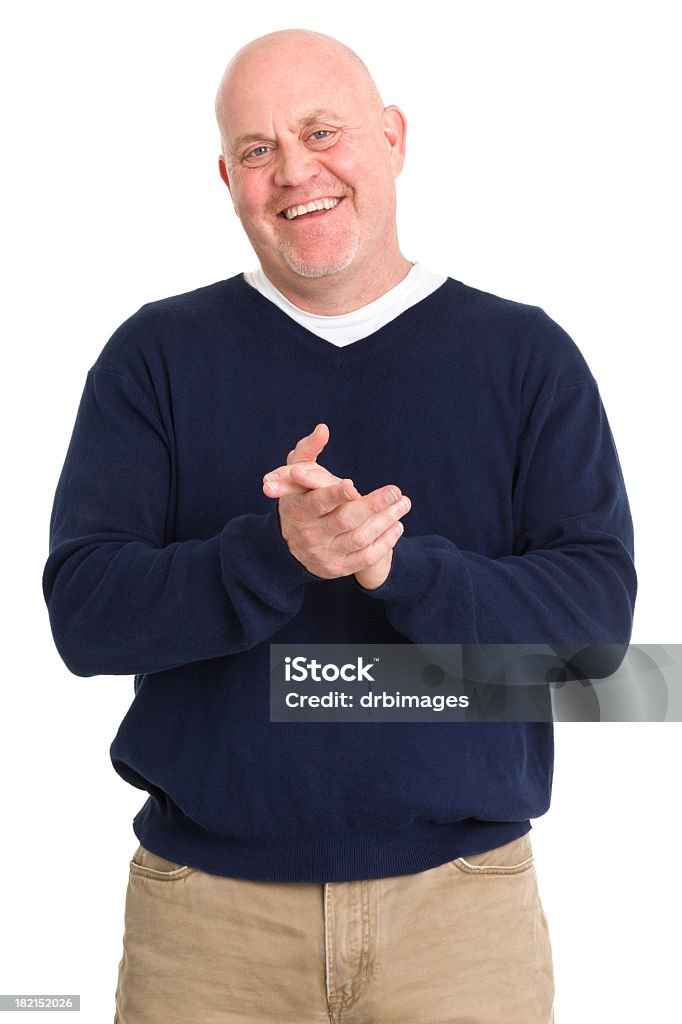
(315, 208)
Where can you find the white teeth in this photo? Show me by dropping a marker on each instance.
(317, 204)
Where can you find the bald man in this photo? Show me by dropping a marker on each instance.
(342, 156)
(460, 486)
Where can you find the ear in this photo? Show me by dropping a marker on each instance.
(222, 167)
(394, 126)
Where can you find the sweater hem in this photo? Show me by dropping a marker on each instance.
(317, 856)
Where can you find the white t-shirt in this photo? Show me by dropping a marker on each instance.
(346, 328)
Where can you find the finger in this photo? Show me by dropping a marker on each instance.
(355, 514)
(312, 475)
(356, 561)
(360, 537)
(280, 490)
(321, 500)
(301, 471)
(297, 478)
(288, 484)
(308, 448)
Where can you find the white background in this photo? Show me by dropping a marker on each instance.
(543, 166)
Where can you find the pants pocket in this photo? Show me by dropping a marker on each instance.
(511, 859)
(146, 864)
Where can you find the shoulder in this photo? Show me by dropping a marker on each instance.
(524, 333)
(170, 325)
(195, 303)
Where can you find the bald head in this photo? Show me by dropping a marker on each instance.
(294, 51)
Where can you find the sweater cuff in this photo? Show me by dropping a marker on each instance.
(253, 549)
(410, 576)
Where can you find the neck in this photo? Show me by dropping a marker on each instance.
(344, 292)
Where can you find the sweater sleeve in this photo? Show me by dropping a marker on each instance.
(121, 600)
(570, 577)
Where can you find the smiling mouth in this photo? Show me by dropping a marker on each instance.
(315, 208)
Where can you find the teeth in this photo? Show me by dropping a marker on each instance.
(317, 204)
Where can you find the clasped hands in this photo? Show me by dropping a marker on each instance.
(327, 524)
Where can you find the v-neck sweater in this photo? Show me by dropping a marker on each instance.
(346, 328)
(167, 562)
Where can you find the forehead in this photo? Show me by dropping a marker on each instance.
(283, 90)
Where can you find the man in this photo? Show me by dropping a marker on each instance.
(330, 871)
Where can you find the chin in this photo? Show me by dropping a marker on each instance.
(318, 265)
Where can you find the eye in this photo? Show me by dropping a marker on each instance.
(322, 135)
(256, 152)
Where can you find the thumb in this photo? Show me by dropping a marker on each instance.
(308, 448)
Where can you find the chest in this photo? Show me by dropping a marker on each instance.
(443, 429)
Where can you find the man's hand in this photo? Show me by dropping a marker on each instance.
(327, 524)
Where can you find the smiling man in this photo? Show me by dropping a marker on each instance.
(361, 872)
(310, 156)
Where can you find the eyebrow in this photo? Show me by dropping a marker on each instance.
(315, 115)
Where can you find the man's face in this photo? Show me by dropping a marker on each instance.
(301, 126)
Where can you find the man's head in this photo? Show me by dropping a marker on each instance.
(301, 120)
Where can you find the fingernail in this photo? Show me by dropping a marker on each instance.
(270, 477)
(300, 469)
(391, 496)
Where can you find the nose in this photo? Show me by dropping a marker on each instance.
(294, 164)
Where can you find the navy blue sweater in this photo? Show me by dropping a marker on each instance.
(166, 561)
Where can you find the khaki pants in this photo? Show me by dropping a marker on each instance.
(463, 943)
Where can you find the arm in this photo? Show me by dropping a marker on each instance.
(571, 576)
(121, 600)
